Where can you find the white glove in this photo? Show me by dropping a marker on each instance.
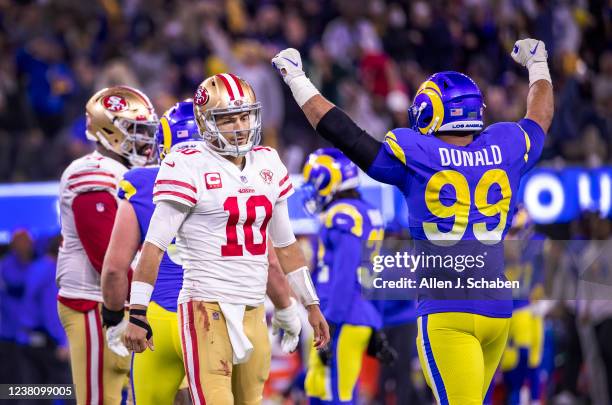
(288, 62)
(288, 320)
(532, 54)
(114, 339)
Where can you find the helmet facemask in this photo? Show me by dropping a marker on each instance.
(233, 142)
(138, 145)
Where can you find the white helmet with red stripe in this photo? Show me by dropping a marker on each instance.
(228, 114)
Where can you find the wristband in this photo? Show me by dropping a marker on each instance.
(110, 317)
(302, 286)
(538, 71)
(140, 293)
(302, 89)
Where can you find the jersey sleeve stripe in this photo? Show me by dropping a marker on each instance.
(177, 183)
(91, 183)
(283, 180)
(100, 173)
(176, 194)
(391, 140)
(285, 191)
(527, 143)
(258, 148)
(127, 188)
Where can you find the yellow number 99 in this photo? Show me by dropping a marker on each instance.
(460, 209)
(501, 207)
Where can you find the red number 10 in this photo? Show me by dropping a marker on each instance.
(232, 247)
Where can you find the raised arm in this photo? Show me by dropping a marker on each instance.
(532, 54)
(540, 104)
(330, 121)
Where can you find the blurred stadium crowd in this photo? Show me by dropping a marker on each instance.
(367, 56)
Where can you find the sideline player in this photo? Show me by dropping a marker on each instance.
(122, 122)
(165, 364)
(349, 223)
(460, 343)
(220, 199)
(525, 258)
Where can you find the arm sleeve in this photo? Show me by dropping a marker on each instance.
(94, 216)
(534, 142)
(165, 223)
(339, 129)
(281, 232)
(343, 273)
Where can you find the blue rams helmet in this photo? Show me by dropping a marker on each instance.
(177, 125)
(447, 101)
(326, 172)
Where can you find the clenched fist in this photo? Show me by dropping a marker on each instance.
(528, 51)
(289, 63)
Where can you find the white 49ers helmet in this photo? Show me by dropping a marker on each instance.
(123, 120)
(222, 95)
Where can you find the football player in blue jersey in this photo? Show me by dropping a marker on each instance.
(525, 262)
(349, 225)
(460, 181)
(177, 130)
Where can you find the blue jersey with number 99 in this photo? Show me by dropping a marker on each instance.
(460, 193)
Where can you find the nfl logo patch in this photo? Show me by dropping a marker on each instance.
(456, 112)
(215, 315)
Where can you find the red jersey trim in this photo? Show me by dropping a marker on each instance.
(177, 183)
(78, 304)
(285, 191)
(176, 194)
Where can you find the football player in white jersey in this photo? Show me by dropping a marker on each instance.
(122, 122)
(220, 199)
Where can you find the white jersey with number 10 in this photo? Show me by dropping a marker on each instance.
(223, 240)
